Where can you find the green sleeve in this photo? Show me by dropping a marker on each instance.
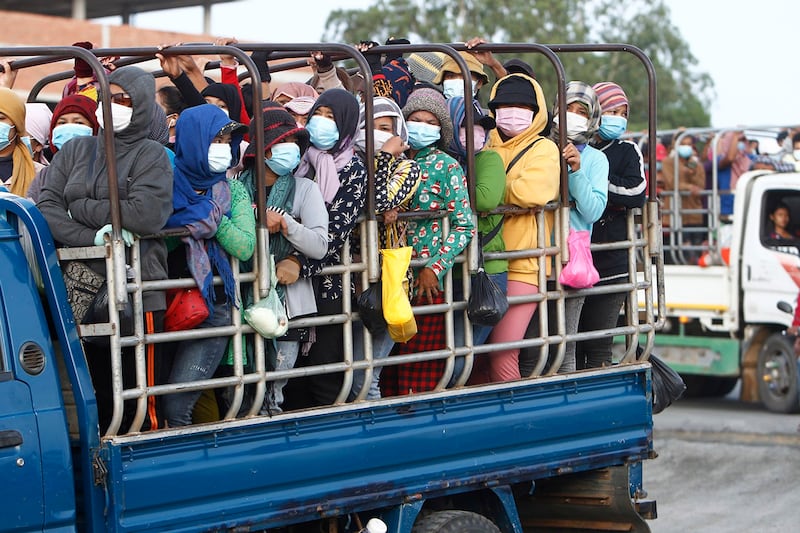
(237, 233)
(490, 181)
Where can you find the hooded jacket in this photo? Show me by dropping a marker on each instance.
(532, 181)
(75, 197)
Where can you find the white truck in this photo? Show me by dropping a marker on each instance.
(727, 314)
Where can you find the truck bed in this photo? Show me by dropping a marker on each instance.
(308, 465)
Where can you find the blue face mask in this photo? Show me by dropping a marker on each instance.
(685, 151)
(5, 135)
(612, 126)
(67, 132)
(421, 134)
(285, 158)
(323, 131)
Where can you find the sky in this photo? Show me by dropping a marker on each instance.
(747, 51)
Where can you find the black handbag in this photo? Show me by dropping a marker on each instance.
(487, 304)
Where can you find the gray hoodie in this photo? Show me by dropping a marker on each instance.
(75, 201)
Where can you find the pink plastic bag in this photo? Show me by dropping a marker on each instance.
(579, 272)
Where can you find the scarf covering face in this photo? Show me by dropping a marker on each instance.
(23, 170)
(201, 213)
(382, 107)
(327, 164)
(74, 103)
(577, 91)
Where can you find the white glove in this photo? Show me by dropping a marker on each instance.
(127, 236)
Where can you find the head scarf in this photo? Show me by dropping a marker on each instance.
(37, 121)
(457, 114)
(432, 101)
(610, 96)
(293, 89)
(578, 91)
(74, 103)
(23, 171)
(200, 213)
(382, 107)
(327, 164)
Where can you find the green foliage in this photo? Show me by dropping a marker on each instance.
(684, 93)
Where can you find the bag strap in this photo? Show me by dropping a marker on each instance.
(521, 153)
(486, 238)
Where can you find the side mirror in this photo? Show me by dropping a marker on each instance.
(786, 307)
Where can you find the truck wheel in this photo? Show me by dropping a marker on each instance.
(777, 375)
(454, 522)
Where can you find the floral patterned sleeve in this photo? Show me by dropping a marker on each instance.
(396, 181)
(237, 233)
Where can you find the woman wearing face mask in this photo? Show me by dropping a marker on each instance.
(452, 80)
(587, 176)
(219, 216)
(626, 190)
(333, 164)
(17, 169)
(173, 104)
(442, 186)
(396, 181)
(145, 190)
(691, 178)
(74, 116)
(37, 123)
(297, 223)
(532, 177)
(490, 186)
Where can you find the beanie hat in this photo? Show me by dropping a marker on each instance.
(75, 103)
(518, 66)
(82, 68)
(432, 101)
(450, 65)
(610, 95)
(425, 66)
(278, 125)
(515, 89)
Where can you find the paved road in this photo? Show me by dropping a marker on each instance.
(725, 467)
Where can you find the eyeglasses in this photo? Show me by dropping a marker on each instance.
(122, 99)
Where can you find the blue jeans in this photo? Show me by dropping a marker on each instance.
(195, 359)
(479, 333)
(287, 357)
(382, 344)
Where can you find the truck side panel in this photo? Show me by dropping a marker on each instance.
(248, 475)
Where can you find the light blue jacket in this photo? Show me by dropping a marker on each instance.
(588, 188)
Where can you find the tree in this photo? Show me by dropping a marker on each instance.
(684, 93)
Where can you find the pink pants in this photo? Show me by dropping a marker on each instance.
(503, 365)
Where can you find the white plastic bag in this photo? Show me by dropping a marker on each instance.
(268, 316)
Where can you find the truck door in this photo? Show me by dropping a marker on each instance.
(21, 489)
(770, 264)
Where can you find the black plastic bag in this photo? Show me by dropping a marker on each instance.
(487, 304)
(98, 314)
(667, 384)
(370, 308)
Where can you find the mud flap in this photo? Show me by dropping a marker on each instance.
(597, 500)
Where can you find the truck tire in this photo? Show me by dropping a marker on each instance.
(454, 522)
(777, 375)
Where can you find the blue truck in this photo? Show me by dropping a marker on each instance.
(549, 452)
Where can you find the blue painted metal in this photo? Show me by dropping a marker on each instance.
(268, 473)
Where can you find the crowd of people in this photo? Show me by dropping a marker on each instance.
(184, 160)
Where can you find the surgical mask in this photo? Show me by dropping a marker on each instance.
(685, 151)
(379, 139)
(27, 142)
(513, 120)
(455, 87)
(612, 127)
(120, 116)
(285, 158)
(576, 124)
(66, 132)
(421, 134)
(796, 154)
(323, 131)
(5, 135)
(478, 137)
(741, 146)
(219, 157)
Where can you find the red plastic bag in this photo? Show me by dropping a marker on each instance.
(579, 272)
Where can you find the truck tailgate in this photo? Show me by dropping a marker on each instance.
(265, 472)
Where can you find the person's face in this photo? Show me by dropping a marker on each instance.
(213, 100)
(477, 80)
(10, 148)
(578, 108)
(119, 95)
(621, 111)
(780, 217)
(423, 116)
(73, 118)
(324, 111)
(384, 124)
(289, 139)
(222, 139)
(283, 99)
(300, 119)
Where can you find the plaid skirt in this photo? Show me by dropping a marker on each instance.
(398, 380)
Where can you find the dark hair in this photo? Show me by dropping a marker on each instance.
(781, 136)
(172, 99)
(796, 137)
(780, 205)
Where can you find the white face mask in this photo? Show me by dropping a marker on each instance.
(797, 155)
(380, 138)
(478, 137)
(121, 116)
(576, 124)
(219, 157)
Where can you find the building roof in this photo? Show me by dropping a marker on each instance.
(100, 8)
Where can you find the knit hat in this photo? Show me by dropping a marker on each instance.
(75, 103)
(425, 66)
(450, 65)
(518, 66)
(82, 68)
(300, 105)
(514, 89)
(433, 102)
(278, 125)
(610, 95)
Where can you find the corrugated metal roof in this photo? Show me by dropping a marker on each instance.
(100, 8)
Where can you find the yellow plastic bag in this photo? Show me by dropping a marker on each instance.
(397, 310)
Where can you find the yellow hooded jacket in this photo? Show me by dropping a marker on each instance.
(532, 181)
